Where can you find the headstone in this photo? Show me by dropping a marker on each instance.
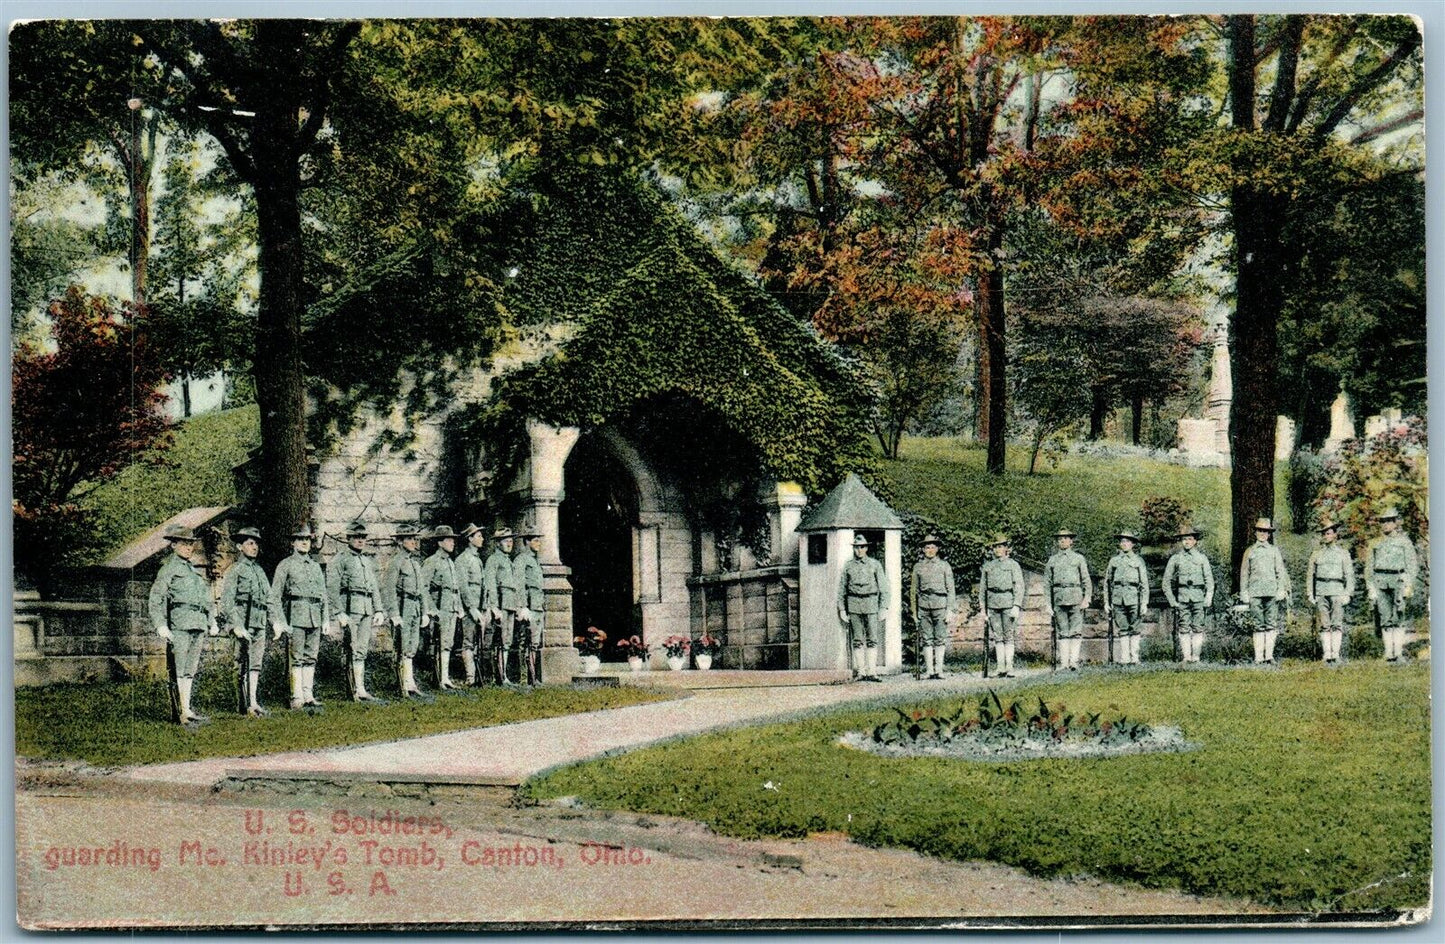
(1283, 438)
(1342, 425)
(1221, 389)
(1374, 426)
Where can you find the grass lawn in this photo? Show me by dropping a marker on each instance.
(124, 724)
(944, 479)
(195, 472)
(1310, 788)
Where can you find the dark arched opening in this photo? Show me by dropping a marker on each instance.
(596, 538)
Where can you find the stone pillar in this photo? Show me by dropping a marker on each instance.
(545, 489)
(1283, 438)
(892, 650)
(784, 502)
(1221, 390)
(1342, 424)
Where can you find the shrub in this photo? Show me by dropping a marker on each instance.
(1160, 518)
(1306, 478)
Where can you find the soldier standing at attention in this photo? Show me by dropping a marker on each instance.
(355, 596)
(532, 612)
(934, 602)
(862, 604)
(403, 596)
(180, 611)
(501, 595)
(1001, 597)
(1264, 585)
(1068, 591)
(1390, 570)
(244, 596)
(298, 607)
(1189, 588)
(1126, 595)
(1329, 584)
(469, 579)
(443, 601)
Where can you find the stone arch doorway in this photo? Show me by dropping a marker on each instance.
(596, 522)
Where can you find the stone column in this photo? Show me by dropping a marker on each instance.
(1342, 424)
(784, 501)
(1283, 438)
(545, 489)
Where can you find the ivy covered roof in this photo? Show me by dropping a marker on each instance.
(655, 312)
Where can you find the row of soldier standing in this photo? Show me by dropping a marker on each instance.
(461, 604)
(1391, 569)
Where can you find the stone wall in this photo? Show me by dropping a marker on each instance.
(753, 612)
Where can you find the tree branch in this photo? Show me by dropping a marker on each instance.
(1369, 81)
(1384, 128)
(321, 88)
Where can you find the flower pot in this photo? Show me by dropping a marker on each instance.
(677, 663)
(704, 661)
(634, 663)
(590, 664)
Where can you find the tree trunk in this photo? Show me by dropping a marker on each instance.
(284, 500)
(185, 396)
(1098, 410)
(992, 365)
(1137, 405)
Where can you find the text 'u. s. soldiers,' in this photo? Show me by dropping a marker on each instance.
(934, 605)
(1001, 599)
(863, 608)
(1189, 590)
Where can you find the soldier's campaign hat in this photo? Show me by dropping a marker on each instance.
(1064, 533)
(1328, 524)
(932, 539)
(357, 529)
(179, 532)
(1126, 534)
(859, 541)
(1187, 531)
(1388, 514)
(442, 531)
(1000, 538)
(526, 532)
(501, 534)
(302, 532)
(470, 530)
(245, 534)
(406, 531)
(1264, 524)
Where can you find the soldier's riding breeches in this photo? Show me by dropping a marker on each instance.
(1332, 611)
(529, 632)
(446, 627)
(863, 629)
(305, 644)
(186, 645)
(255, 649)
(1265, 611)
(1390, 606)
(934, 626)
(1126, 619)
(360, 632)
(502, 635)
(1069, 621)
(1003, 626)
(1190, 616)
(408, 637)
(471, 634)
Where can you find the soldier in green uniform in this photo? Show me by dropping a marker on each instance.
(1264, 586)
(355, 596)
(1391, 567)
(1001, 598)
(402, 591)
(501, 595)
(443, 601)
(181, 613)
(469, 580)
(244, 596)
(934, 603)
(531, 615)
(1329, 584)
(1126, 595)
(1068, 590)
(862, 607)
(1189, 588)
(298, 606)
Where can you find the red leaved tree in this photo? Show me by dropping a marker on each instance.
(82, 410)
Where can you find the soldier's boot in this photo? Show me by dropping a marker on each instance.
(1000, 650)
(255, 707)
(469, 666)
(358, 682)
(526, 656)
(298, 694)
(1258, 647)
(444, 670)
(311, 687)
(1269, 637)
(1009, 652)
(183, 694)
(938, 653)
(499, 666)
(870, 656)
(535, 655)
(1071, 653)
(1133, 650)
(857, 662)
(928, 661)
(1338, 642)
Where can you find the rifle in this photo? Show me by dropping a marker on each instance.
(346, 651)
(243, 675)
(986, 646)
(171, 687)
(1054, 637)
(1174, 631)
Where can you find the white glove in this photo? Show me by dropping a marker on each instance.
(425, 621)
(1208, 601)
(1346, 601)
(239, 632)
(950, 619)
(1281, 594)
(331, 631)
(1143, 612)
(378, 618)
(882, 617)
(396, 621)
(1311, 598)
(524, 614)
(215, 630)
(495, 613)
(476, 615)
(1374, 594)
(1014, 612)
(1407, 590)
(164, 633)
(1108, 609)
(277, 628)
(342, 620)
(842, 615)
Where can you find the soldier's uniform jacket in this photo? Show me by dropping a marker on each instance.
(179, 599)
(298, 593)
(863, 586)
(1262, 572)
(1331, 572)
(500, 589)
(469, 577)
(932, 585)
(351, 581)
(1001, 584)
(404, 586)
(1126, 581)
(529, 574)
(1066, 577)
(1188, 578)
(245, 594)
(1391, 562)
(439, 576)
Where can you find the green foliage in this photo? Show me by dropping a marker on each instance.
(1368, 475)
(1342, 756)
(125, 723)
(1306, 479)
(990, 722)
(1161, 517)
(194, 472)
